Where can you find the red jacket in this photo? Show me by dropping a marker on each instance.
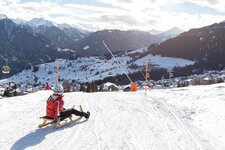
(54, 106)
(47, 87)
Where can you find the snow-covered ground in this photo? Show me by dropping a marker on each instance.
(191, 118)
(165, 62)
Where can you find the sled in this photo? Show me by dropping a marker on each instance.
(66, 122)
(60, 123)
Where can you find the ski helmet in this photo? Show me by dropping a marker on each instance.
(58, 89)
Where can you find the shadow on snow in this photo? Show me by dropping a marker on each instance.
(38, 135)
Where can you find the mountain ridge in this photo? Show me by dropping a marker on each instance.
(202, 44)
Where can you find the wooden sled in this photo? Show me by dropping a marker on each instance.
(59, 123)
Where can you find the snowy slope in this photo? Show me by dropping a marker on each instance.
(171, 33)
(189, 118)
(40, 22)
(87, 69)
(2, 16)
(164, 62)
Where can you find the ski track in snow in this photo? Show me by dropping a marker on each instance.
(182, 126)
(147, 118)
(194, 135)
(166, 110)
(118, 120)
(162, 125)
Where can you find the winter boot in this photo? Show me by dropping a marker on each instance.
(86, 115)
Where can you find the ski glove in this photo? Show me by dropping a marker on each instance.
(55, 119)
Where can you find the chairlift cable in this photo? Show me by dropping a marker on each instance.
(22, 58)
(141, 73)
(116, 60)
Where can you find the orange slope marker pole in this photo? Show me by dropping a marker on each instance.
(147, 75)
(57, 72)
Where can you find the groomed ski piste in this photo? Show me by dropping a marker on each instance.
(190, 118)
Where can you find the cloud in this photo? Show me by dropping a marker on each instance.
(131, 4)
(125, 1)
(218, 5)
(125, 19)
(12, 1)
(119, 14)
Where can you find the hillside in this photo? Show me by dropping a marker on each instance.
(28, 43)
(169, 34)
(22, 48)
(204, 45)
(116, 40)
(168, 119)
(88, 69)
(39, 41)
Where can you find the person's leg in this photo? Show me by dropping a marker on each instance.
(80, 113)
(65, 114)
(68, 112)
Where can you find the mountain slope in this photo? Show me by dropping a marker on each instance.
(59, 37)
(10, 58)
(154, 32)
(206, 45)
(116, 40)
(74, 33)
(171, 33)
(137, 121)
(22, 41)
(61, 34)
(88, 69)
(30, 48)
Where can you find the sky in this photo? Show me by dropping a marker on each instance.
(120, 14)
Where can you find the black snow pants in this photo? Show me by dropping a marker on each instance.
(68, 112)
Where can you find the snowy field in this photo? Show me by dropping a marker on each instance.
(92, 68)
(191, 118)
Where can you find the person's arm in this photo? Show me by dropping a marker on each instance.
(57, 106)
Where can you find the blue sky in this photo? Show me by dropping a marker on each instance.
(120, 14)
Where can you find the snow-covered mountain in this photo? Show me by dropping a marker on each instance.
(171, 33)
(63, 35)
(154, 32)
(189, 118)
(63, 26)
(37, 22)
(204, 45)
(2, 16)
(21, 47)
(19, 21)
(74, 33)
(57, 36)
